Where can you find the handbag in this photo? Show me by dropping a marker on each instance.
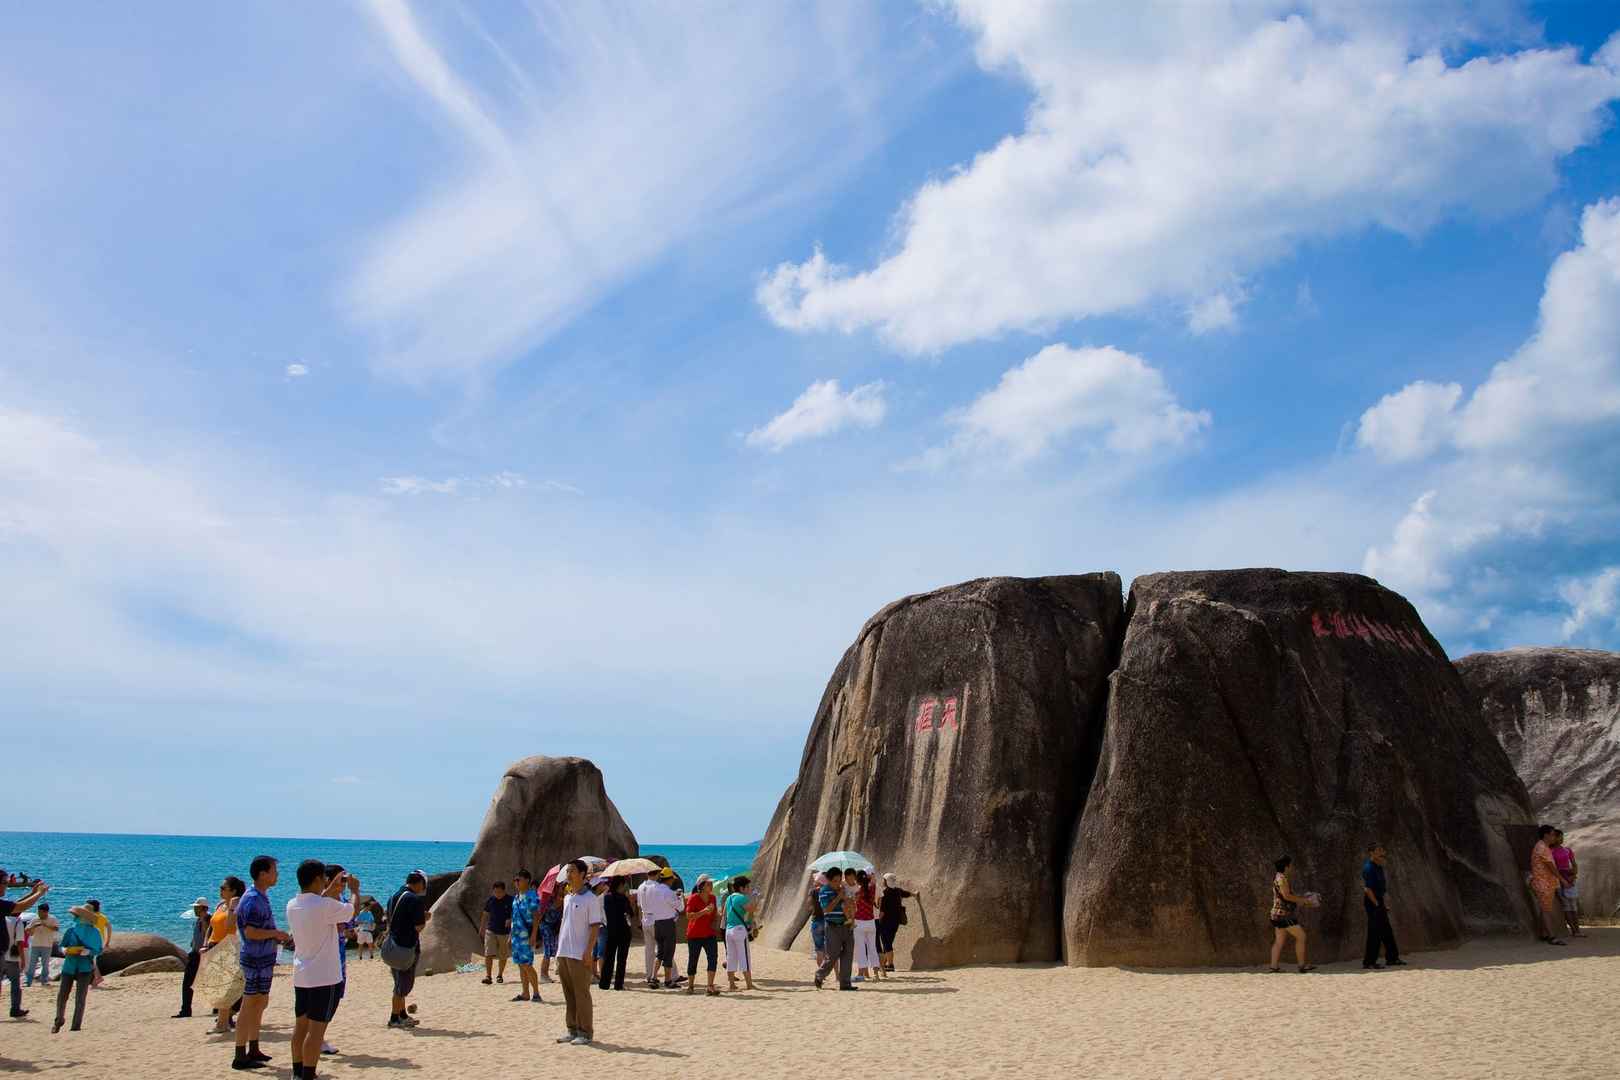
(396, 956)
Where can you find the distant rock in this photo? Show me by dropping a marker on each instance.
(1255, 713)
(952, 747)
(544, 810)
(154, 965)
(131, 948)
(1557, 714)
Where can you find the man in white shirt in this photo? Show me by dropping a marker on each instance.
(313, 917)
(41, 936)
(649, 943)
(582, 920)
(660, 907)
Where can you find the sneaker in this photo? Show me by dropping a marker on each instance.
(1396, 963)
(394, 1022)
(1372, 967)
(487, 981)
(849, 988)
(570, 1037)
(18, 1014)
(580, 1040)
(328, 1048)
(498, 978)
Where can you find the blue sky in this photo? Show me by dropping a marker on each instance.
(391, 391)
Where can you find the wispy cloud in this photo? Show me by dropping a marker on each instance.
(465, 485)
(297, 371)
(597, 143)
(820, 411)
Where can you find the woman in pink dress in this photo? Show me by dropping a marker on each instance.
(1544, 882)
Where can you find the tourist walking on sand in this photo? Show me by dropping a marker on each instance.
(1545, 883)
(524, 934)
(41, 939)
(81, 944)
(104, 925)
(1375, 901)
(1569, 890)
(838, 911)
(662, 905)
(818, 923)
(550, 921)
(582, 920)
(1285, 918)
(365, 933)
(739, 933)
(199, 938)
(701, 912)
(495, 931)
(616, 932)
(261, 941)
(11, 965)
(866, 948)
(219, 974)
(891, 917)
(314, 916)
(405, 924)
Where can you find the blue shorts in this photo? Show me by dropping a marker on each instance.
(256, 980)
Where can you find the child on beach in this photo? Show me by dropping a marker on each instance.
(365, 933)
(81, 944)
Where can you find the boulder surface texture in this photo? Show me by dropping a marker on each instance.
(131, 948)
(1557, 714)
(154, 965)
(1258, 713)
(545, 810)
(952, 747)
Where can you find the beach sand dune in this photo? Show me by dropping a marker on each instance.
(1492, 1009)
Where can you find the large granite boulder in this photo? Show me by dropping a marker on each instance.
(953, 746)
(544, 810)
(132, 948)
(156, 965)
(1256, 713)
(1557, 714)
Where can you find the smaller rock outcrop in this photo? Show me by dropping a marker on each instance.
(544, 810)
(131, 948)
(1557, 714)
(153, 966)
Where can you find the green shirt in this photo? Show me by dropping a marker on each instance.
(735, 916)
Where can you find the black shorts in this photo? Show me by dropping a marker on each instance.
(318, 1003)
(405, 981)
(1284, 922)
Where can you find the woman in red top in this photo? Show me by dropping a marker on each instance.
(866, 948)
(701, 914)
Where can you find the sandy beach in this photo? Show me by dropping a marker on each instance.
(1463, 1014)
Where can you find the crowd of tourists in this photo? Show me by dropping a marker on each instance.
(1552, 878)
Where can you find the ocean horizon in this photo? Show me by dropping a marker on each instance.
(147, 881)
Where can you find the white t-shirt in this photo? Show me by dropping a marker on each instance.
(312, 920)
(41, 931)
(581, 911)
(641, 900)
(659, 903)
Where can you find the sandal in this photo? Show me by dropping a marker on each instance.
(485, 980)
(521, 997)
(1275, 970)
(1303, 968)
(714, 991)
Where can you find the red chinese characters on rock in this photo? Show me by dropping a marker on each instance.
(1345, 625)
(936, 714)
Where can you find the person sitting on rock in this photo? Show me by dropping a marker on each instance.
(1285, 918)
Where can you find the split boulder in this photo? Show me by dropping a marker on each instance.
(131, 948)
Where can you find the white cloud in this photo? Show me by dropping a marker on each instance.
(459, 485)
(297, 371)
(1591, 599)
(821, 410)
(1172, 148)
(1116, 399)
(596, 140)
(1530, 485)
(1411, 423)
(1216, 312)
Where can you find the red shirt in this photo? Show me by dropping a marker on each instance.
(863, 903)
(699, 926)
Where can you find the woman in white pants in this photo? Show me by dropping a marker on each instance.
(739, 920)
(866, 949)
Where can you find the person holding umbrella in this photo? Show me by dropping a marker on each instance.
(838, 912)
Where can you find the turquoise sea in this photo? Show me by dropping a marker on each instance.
(147, 882)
